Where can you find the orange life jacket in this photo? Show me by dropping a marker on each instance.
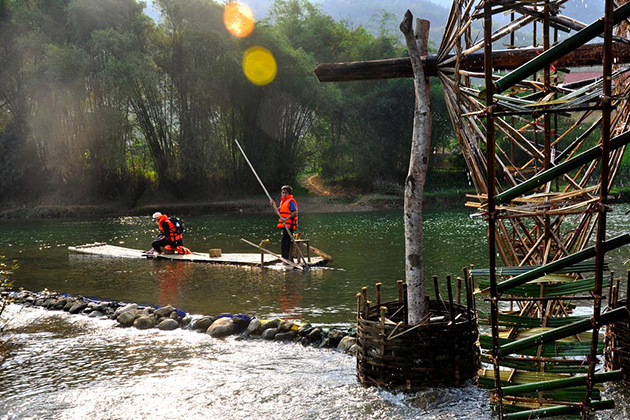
(285, 211)
(172, 230)
(179, 249)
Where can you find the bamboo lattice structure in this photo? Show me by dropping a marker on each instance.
(542, 155)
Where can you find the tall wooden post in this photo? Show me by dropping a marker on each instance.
(603, 195)
(418, 167)
(492, 222)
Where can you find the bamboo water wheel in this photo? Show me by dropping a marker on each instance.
(542, 155)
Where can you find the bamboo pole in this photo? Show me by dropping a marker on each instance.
(571, 43)
(469, 289)
(437, 289)
(451, 306)
(291, 263)
(567, 261)
(365, 302)
(603, 191)
(306, 266)
(562, 332)
(561, 383)
(558, 410)
(491, 185)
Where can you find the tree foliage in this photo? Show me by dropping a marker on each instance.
(99, 101)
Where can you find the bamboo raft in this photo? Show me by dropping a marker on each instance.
(252, 259)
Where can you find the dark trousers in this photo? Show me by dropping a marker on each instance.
(162, 241)
(286, 243)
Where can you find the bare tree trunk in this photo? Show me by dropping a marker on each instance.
(418, 167)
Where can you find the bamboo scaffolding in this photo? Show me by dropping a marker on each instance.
(569, 165)
(555, 350)
(559, 410)
(510, 140)
(580, 38)
(564, 262)
(560, 383)
(562, 332)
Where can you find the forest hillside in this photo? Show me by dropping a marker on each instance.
(100, 102)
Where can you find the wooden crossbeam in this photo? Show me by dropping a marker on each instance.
(393, 68)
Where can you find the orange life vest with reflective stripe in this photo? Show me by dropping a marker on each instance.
(285, 211)
(171, 234)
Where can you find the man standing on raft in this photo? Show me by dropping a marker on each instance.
(288, 212)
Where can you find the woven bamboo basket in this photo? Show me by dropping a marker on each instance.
(400, 357)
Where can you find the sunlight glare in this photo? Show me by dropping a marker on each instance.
(259, 65)
(238, 19)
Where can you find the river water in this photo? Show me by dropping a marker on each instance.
(77, 367)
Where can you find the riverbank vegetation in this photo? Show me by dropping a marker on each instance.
(102, 105)
(99, 103)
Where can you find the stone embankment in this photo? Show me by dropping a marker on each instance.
(168, 318)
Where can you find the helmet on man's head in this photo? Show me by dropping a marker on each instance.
(156, 215)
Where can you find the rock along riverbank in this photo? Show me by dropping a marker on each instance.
(168, 318)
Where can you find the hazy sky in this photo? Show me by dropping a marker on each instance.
(257, 3)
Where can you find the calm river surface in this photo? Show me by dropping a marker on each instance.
(76, 367)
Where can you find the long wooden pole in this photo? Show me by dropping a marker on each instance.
(393, 68)
(306, 266)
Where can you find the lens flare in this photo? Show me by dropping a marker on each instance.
(259, 65)
(238, 19)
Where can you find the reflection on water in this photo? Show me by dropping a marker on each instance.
(367, 248)
(172, 278)
(75, 367)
